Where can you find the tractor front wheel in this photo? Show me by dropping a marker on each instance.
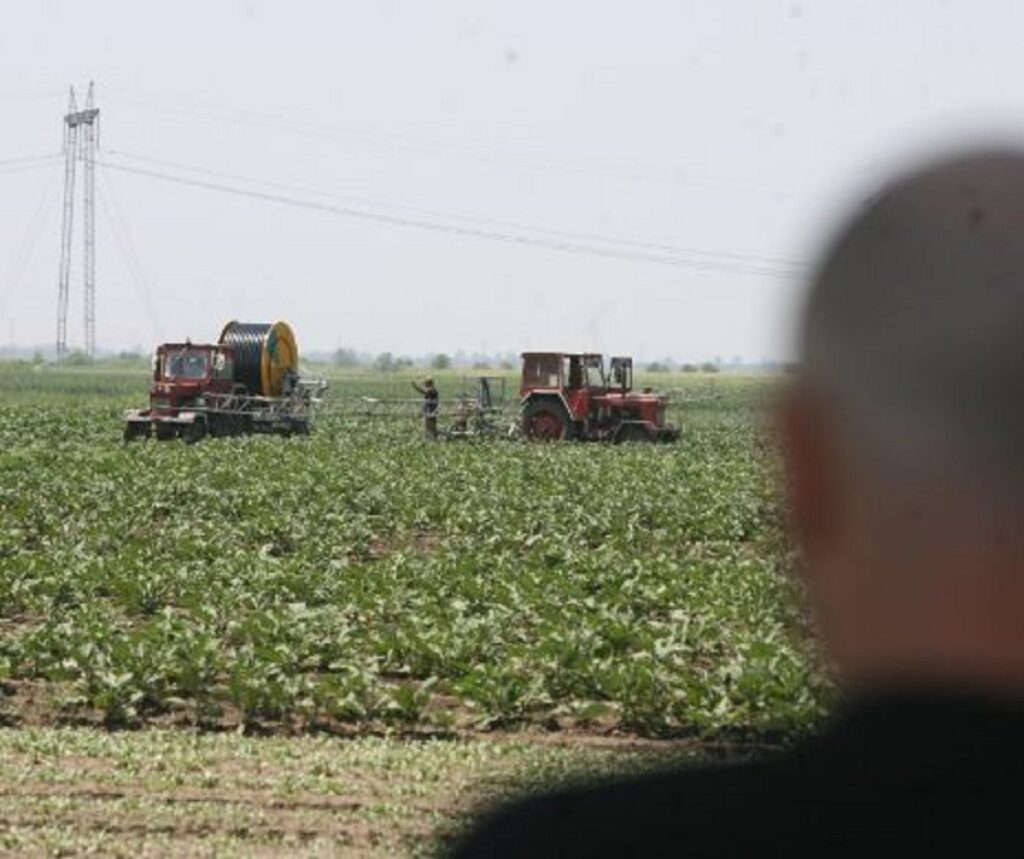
(633, 433)
(546, 421)
(134, 431)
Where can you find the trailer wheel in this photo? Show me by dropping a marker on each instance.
(544, 420)
(668, 435)
(194, 432)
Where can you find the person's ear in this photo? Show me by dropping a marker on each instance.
(809, 472)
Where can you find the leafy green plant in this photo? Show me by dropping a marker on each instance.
(363, 577)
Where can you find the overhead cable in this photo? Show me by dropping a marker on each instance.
(469, 232)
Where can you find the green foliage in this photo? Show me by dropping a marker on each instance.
(364, 576)
(440, 362)
(385, 362)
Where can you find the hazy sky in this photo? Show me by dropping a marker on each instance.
(684, 157)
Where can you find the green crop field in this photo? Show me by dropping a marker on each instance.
(363, 583)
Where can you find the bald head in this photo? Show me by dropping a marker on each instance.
(915, 320)
(905, 431)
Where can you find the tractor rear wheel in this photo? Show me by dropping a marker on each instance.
(544, 420)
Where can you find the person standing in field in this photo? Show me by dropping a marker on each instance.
(428, 390)
(903, 442)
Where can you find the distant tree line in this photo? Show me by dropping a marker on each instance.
(668, 366)
(388, 362)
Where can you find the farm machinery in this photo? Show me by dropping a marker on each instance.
(244, 383)
(569, 396)
(477, 413)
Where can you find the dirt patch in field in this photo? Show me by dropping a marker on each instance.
(29, 703)
(420, 542)
(40, 704)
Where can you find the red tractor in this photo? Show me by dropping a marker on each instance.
(246, 382)
(568, 396)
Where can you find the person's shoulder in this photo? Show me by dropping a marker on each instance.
(921, 770)
(654, 813)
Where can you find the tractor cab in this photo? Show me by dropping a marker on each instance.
(557, 371)
(621, 372)
(183, 372)
(176, 362)
(187, 363)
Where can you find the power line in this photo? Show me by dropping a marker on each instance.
(24, 168)
(37, 224)
(363, 137)
(492, 235)
(25, 165)
(30, 158)
(476, 219)
(118, 226)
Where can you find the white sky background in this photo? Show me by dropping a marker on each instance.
(733, 130)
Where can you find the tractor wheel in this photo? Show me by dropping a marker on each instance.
(220, 425)
(165, 432)
(134, 431)
(194, 432)
(544, 420)
(633, 433)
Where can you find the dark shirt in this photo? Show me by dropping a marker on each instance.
(931, 771)
(430, 397)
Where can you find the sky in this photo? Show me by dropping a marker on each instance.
(646, 178)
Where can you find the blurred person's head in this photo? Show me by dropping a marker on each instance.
(905, 431)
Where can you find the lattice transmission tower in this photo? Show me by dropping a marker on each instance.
(80, 141)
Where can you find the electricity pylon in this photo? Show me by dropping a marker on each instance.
(80, 141)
